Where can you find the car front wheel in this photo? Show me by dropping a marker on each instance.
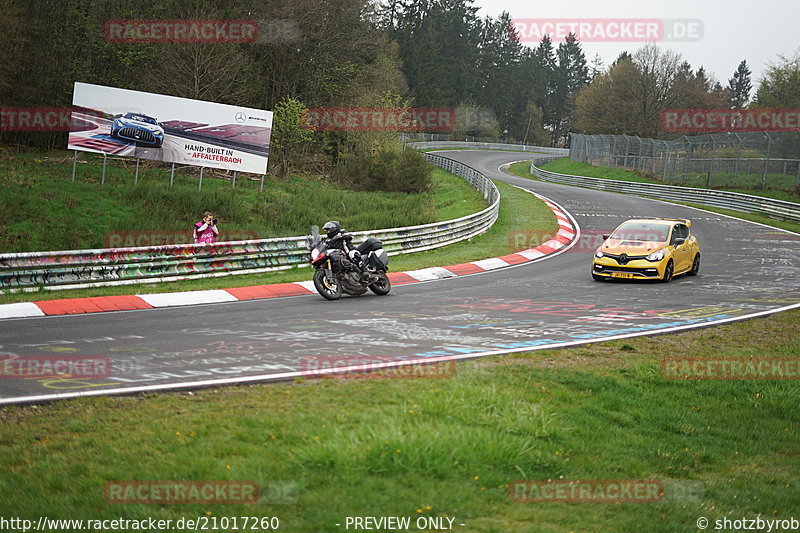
(668, 272)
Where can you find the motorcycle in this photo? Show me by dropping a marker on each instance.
(340, 268)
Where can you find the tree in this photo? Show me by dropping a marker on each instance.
(654, 90)
(571, 74)
(740, 86)
(780, 86)
(288, 134)
(609, 104)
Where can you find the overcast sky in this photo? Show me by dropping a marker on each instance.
(755, 30)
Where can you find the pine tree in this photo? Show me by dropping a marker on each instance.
(740, 86)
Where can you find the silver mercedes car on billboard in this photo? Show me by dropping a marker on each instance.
(138, 128)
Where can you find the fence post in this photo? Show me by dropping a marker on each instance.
(136, 174)
(688, 159)
(738, 157)
(200, 185)
(627, 146)
(261, 187)
(74, 162)
(103, 177)
(233, 186)
(713, 156)
(797, 185)
(639, 164)
(172, 175)
(766, 161)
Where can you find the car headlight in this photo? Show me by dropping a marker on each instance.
(658, 255)
(599, 253)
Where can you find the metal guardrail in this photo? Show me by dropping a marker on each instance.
(148, 264)
(442, 145)
(727, 200)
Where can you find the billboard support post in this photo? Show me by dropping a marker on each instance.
(74, 162)
(136, 175)
(172, 175)
(233, 186)
(200, 185)
(103, 177)
(261, 188)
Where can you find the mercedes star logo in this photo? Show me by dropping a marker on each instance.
(240, 117)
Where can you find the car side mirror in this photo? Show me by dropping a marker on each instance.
(679, 241)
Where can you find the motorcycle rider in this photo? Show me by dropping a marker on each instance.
(343, 240)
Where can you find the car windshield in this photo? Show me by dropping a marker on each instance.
(641, 231)
(141, 118)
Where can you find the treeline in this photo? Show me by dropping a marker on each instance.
(426, 53)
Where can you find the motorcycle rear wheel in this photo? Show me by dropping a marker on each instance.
(382, 286)
(325, 288)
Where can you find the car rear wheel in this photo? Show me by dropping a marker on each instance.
(695, 266)
(668, 272)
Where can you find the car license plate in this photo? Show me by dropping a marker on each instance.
(621, 275)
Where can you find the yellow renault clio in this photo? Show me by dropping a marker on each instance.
(648, 248)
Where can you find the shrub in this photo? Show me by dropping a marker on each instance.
(389, 170)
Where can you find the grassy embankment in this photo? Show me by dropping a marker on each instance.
(45, 211)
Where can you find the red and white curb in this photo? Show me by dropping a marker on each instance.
(71, 306)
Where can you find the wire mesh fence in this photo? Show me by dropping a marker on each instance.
(745, 161)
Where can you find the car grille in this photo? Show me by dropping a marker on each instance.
(629, 258)
(137, 134)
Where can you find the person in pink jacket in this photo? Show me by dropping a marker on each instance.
(206, 231)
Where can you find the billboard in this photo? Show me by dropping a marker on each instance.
(167, 128)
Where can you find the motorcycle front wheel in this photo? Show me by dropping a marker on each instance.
(328, 290)
(382, 286)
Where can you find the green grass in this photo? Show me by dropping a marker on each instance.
(566, 166)
(443, 447)
(520, 212)
(44, 210)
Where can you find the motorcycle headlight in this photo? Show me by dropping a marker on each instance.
(658, 255)
(599, 253)
(314, 254)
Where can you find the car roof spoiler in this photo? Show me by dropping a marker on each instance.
(681, 220)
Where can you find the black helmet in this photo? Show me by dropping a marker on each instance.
(332, 228)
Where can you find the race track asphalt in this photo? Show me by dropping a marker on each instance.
(747, 270)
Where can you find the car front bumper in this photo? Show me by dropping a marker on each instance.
(635, 269)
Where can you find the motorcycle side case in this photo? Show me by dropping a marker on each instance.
(370, 244)
(378, 260)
